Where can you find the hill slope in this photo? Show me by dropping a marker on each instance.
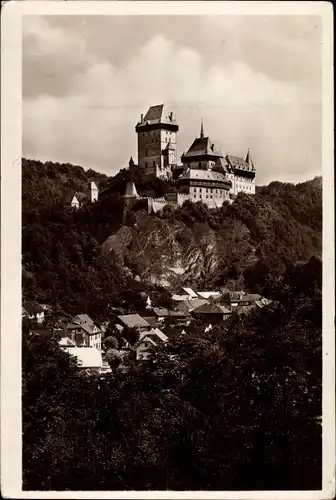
(86, 259)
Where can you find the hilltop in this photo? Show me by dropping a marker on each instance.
(90, 258)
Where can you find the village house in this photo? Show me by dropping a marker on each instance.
(78, 199)
(167, 316)
(147, 341)
(211, 313)
(87, 358)
(84, 332)
(190, 304)
(133, 321)
(33, 311)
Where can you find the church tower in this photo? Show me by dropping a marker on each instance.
(157, 141)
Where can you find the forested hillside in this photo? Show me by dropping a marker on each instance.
(234, 407)
(86, 260)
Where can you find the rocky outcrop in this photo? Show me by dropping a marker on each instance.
(168, 253)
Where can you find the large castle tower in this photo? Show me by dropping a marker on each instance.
(157, 140)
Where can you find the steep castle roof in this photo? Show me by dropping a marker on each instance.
(156, 115)
(238, 163)
(131, 191)
(249, 161)
(202, 146)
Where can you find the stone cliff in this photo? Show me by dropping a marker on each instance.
(169, 253)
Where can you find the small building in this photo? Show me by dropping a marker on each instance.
(167, 316)
(33, 311)
(76, 199)
(84, 332)
(87, 358)
(211, 313)
(148, 340)
(133, 321)
(190, 304)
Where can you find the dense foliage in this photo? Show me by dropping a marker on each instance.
(231, 409)
(61, 246)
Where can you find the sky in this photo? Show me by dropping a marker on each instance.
(254, 80)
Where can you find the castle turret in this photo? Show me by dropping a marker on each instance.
(155, 131)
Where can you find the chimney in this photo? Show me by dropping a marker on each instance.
(171, 116)
(141, 118)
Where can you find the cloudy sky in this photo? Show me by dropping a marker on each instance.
(255, 81)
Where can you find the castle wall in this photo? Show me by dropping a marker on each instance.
(242, 184)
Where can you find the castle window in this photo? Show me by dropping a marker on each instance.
(146, 152)
(146, 164)
(199, 164)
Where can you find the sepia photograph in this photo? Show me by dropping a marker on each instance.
(170, 197)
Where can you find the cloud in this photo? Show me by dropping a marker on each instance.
(81, 103)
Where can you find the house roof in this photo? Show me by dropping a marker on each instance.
(32, 307)
(146, 338)
(202, 146)
(180, 298)
(133, 320)
(250, 297)
(163, 312)
(87, 357)
(65, 341)
(211, 309)
(207, 295)
(84, 318)
(154, 332)
(83, 321)
(190, 304)
(150, 320)
(190, 292)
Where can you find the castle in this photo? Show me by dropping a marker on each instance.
(204, 175)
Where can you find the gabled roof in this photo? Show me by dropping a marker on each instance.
(87, 357)
(84, 318)
(32, 307)
(165, 313)
(133, 321)
(202, 146)
(66, 342)
(131, 191)
(190, 304)
(146, 338)
(154, 332)
(211, 309)
(190, 292)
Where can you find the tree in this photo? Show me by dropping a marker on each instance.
(114, 358)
